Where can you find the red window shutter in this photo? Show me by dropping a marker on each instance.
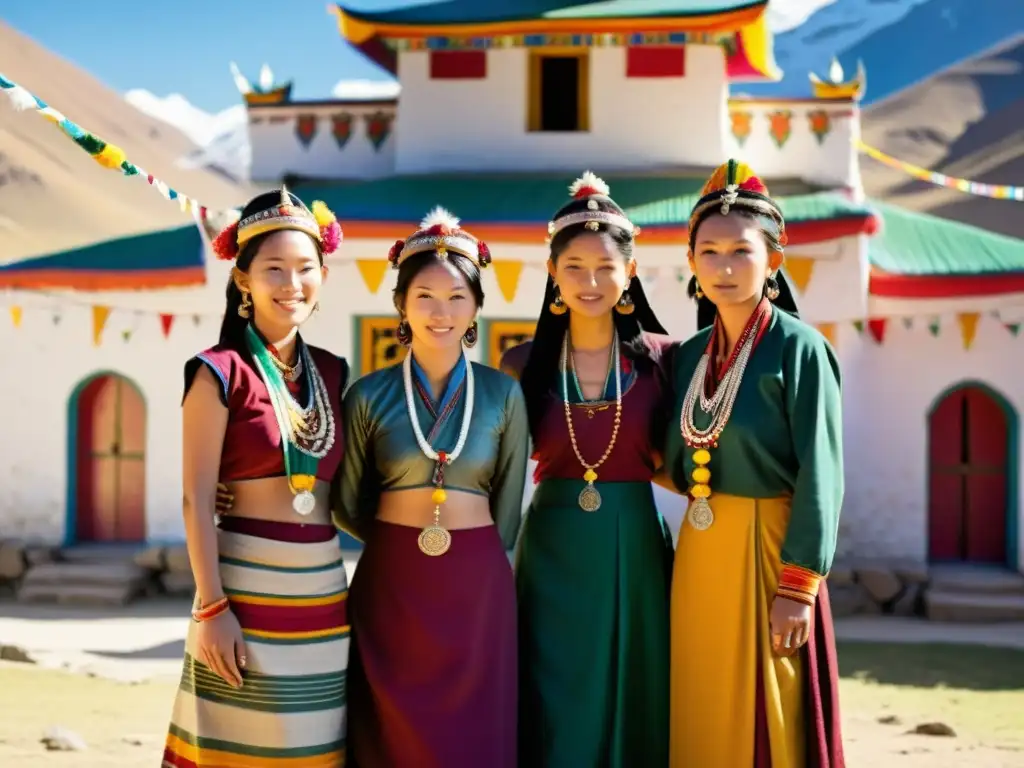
(458, 65)
(656, 61)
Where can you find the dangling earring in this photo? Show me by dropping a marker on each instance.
(557, 307)
(625, 306)
(771, 288)
(697, 292)
(404, 333)
(469, 338)
(245, 308)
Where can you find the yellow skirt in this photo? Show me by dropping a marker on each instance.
(723, 584)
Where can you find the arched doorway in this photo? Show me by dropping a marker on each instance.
(107, 461)
(972, 434)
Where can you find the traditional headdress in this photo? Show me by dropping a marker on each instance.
(319, 223)
(595, 191)
(440, 232)
(733, 185)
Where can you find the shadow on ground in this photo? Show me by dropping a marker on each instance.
(173, 650)
(933, 665)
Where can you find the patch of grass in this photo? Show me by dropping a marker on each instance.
(123, 724)
(976, 690)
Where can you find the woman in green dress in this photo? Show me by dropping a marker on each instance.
(594, 558)
(755, 438)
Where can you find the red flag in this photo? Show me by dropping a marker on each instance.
(877, 328)
(166, 321)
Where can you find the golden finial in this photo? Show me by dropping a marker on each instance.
(836, 87)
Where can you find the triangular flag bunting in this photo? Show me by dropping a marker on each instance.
(166, 321)
(126, 334)
(908, 323)
(828, 330)
(1013, 328)
(934, 326)
(800, 270)
(16, 316)
(56, 318)
(373, 271)
(859, 325)
(968, 327)
(507, 274)
(196, 320)
(877, 329)
(100, 315)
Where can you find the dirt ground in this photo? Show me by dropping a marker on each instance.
(887, 689)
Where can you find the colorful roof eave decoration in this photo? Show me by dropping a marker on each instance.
(918, 256)
(171, 258)
(472, 23)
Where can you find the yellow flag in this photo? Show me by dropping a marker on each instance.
(507, 274)
(373, 271)
(968, 327)
(100, 315)
(828, 330)
(799, 269)
(16, 316)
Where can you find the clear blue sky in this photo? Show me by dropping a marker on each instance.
(185, 46)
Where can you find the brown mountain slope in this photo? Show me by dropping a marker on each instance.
(966, 122)
(52, 195)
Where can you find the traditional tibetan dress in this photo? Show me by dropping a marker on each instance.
(433, 675)
(593, 584)
(286, 585)
(762, 522)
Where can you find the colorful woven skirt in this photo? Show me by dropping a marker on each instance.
(593, 629)
(433, 674)
(287, 587)
(734, 702)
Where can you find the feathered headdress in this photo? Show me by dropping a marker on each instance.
(319, 223)
(440, 232)
(734, 185)
(592, 189)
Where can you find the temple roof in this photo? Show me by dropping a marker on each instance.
(164, 259)
(471, 23)
(918, 256)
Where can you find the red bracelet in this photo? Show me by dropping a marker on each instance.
(211, 611)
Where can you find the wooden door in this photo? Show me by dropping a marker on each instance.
(111, 462)
(969, 438)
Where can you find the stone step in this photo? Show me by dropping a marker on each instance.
(967, 580)
(86, 573)
(963, 607)
(79, 594)
(101, 553)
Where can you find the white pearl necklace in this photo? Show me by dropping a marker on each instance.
(721, 404)
(410, 405)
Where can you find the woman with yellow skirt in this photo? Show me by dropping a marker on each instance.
(756, 442)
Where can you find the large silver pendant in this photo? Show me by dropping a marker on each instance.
(434, 540)
(590, 499)
(304, 503)
(700, 515)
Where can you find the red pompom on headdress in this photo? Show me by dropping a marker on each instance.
(395, 252)
(484, 253)
(226, 243)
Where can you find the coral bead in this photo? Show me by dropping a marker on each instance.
(701, 475)
(700, 491)
(701, 457)
(438, 496)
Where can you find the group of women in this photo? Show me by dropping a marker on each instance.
(599, 649)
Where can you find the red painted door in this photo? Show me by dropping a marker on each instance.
(111, 462)
(969, 478)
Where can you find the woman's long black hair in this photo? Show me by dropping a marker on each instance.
(538, 374)
(232, 327)
(786, 301)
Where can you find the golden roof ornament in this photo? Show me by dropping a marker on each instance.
(836, 86)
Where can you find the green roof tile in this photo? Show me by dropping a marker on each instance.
(918, 244)
(533, 199)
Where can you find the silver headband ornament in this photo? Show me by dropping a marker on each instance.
(439, 232)
(590, 186)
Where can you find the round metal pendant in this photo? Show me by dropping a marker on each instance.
(434, 540)
(700, 514)
(304, 503)
(590, 499)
